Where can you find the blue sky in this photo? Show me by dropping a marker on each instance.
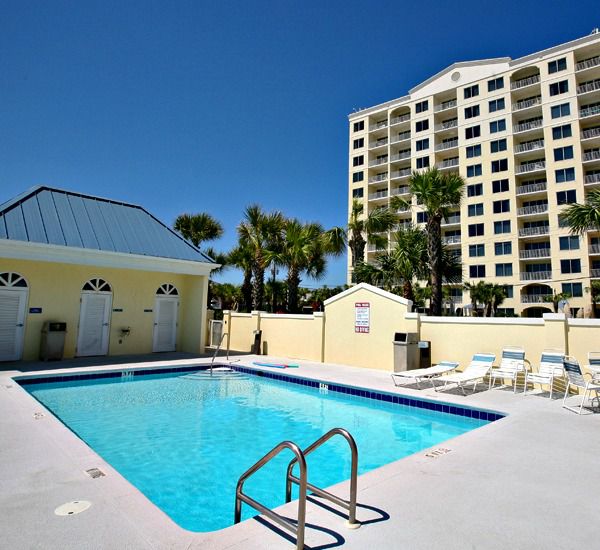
(210, 106)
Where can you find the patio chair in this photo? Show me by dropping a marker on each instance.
(577, 379)
(593, 364)
(511, 364)
(550, 369)
(475, 372)
(418, 375)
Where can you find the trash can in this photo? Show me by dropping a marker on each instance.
(52, 345)
(256, 344)
(406, 351)
(424, 354)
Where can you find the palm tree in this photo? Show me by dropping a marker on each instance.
(198, 228)
(241, 257)
(437, 192)
(498, 296)
(594, 290)
(584, 217)
(410, 258)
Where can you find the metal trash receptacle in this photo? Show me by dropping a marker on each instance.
(256, 345)
(52, 345)
(406, 351)
(424, 354)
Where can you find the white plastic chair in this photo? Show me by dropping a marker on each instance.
(511, 365)
(551, 369)
(476, 371)
(593, 364)
(577, 379)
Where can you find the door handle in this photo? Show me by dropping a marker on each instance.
(104, 324)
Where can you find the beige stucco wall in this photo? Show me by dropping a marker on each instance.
(240, 327)
(295, 336)
(584, 336)
(56, 288)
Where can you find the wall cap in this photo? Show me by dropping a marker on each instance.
(584, 322)
(303, 316)
(374, 290)
(482, 320)
(554, 317)
(412, 315)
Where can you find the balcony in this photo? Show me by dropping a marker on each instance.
(378, 178)
(451, 220)
(447, 145)
(454, 239)
(447, 125)
(405, 190)
(379, 143)
(589, 110)
(535, 298)
(531, 167)
(378, 195)
(591, 155)
(534, 231)
(528, 126)
(527, 103)
(594, 249)
(592, 179)
(447, 163)
(378, 162)
(404, 173)
(586, 87)
(530, 210)
(532, 188)
(375, 248)
(401, 156)
(536, 275)
(588, 63)
(399, 119)
(445, 105)
(529, 146)
(595, 273)
(590, 133)
(537, 253)
(524, 82)
(378, 125)
(403, 136)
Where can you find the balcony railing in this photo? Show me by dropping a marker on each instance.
(595, 249)
(448, 163)
(588, 63)
(534, 209)
(534, 231)
(378, 125)
(400, 191)
(531, 167)
(375, 248)
(530, 125)
(401, 137)
(526, 103)
(454, 239)
(532, 188)
(401, 156)
(378, 162)
(537, 253)
(451, 103)
(378, 195)
(399, 119)
(595, 273)
(589, 86)
(589, 110)
(378, 143)
(535, 298)
(378, 177)
(451, 220)
(592, 178)
(536, 275)
(400, 173)
(448, 124)
(523, 82)
(590, 133)
(591, 155)
(447, 145)
(529, 146)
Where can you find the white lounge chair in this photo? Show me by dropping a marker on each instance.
(476, 371)
(418, 375)
(511, 365)
(551, 369)
(593, 364)
(576, 378)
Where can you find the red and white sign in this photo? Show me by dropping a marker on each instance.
(362, 316)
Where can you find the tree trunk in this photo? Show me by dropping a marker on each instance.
(407, 291)
(293, 282)
(273, 289)
(258, 287)
(434, 250)
(357, 246)
(247, 290)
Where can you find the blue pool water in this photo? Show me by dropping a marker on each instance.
(184, 442)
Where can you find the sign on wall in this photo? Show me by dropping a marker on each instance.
(362, 316)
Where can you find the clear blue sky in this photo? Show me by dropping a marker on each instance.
(210, 106)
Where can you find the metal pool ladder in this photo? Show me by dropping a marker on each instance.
(303, 484)
(212, 361)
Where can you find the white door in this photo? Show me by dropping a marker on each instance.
(165, 323)
(94, 323)
(12, 323)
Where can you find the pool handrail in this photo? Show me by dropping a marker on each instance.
(212, 361)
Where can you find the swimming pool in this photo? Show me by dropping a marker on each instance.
(184, 441)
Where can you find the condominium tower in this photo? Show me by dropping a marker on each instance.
(525, 136)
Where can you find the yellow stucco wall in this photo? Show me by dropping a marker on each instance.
(56, 288)
(295, 336)
(240, 327)
(584, 336)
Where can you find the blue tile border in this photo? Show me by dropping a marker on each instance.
(394, 398)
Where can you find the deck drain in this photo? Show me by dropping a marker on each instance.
(38, 415)
(437, 452)
(95, 473)
(72, 508)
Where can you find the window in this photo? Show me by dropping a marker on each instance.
(557, 88)
(557, 65)
(358, 126)
(422, 106)
(570, 266)
(358, 161)
(503, 248)
(499, 165)
(501, 206)
(358, 176)
(422, 144)
(358, 193)
(476, 250)
(422, 217)
(566, 197)
(496, 105)
(474, 170)
(473, 151)
(504, 270)
(475, 209)
(569, 243)
(476, 230)
(495, 84)
(574, 289)
(561, 132)
(563, 153)
(498, 145)
(508, 289)
(422, 125)
(476, 271)
(497, 126)
(471, 112)
(502, 227)
(558, 111)
(422, 162)
(474, 190)
(471, 91)
(472, 132)
(499, 186)
(358, 143)
(565, 174)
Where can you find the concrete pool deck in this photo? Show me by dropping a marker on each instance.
(530, 480)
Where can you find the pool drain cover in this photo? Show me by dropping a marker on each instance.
(95, 473)
(72, 508)
(437, 452)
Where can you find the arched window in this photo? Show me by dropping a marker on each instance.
(167, 290)
(12, 280)
(97, 285)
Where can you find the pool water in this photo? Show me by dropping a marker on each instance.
(184, 442)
